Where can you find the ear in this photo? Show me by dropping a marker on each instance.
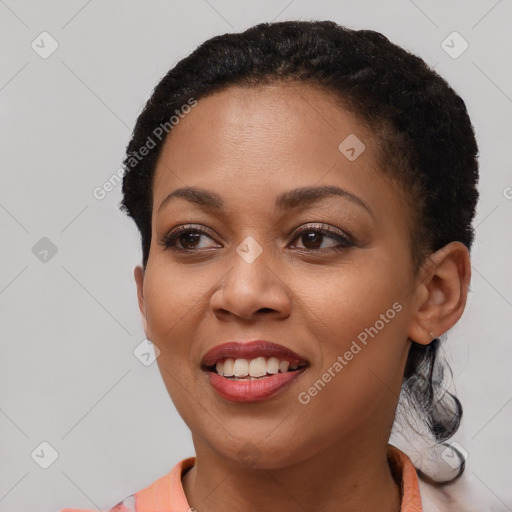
(138, 274)
(441, 293)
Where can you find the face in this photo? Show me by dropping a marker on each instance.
(301, 243)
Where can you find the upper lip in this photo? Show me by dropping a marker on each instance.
(250, 350)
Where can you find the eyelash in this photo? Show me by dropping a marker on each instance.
(344, 241)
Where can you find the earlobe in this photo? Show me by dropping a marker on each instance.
(442, 293)
(138, 274)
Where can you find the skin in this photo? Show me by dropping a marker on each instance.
(248, 147)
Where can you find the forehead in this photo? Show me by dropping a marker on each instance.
(260, 141)
(258, 124)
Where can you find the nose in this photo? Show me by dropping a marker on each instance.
(250, 290)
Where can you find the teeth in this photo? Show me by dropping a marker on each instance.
(253, 368)
(227, 371)
(258, 367)
(272, 365)
(241, 368)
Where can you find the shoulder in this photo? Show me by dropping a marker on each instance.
(164, 494)
(126, 505)
(466, 494)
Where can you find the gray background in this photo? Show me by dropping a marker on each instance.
(69, 325)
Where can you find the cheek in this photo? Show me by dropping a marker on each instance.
(359, 374)
(358, 317)
(349, 299)
(173, 292)
(175, 300)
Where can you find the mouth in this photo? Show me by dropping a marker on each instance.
(252, 360)
(253, 371)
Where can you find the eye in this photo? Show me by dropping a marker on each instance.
(188, 238)
(314, 235)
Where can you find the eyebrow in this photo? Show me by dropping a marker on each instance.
(289, 200)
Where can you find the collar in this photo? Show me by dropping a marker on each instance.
(167, 494)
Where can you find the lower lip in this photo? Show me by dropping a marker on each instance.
(252, 390)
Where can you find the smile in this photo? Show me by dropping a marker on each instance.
(252, 371)
(252, 389)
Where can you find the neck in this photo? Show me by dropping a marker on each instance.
(349, 477)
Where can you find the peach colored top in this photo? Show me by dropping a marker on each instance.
(167, 495)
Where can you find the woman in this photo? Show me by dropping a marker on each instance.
(305, 233)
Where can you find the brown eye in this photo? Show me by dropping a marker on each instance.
(312, 239)
(185, 238)
(189, 240)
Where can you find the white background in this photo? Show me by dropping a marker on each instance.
(69, 326)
